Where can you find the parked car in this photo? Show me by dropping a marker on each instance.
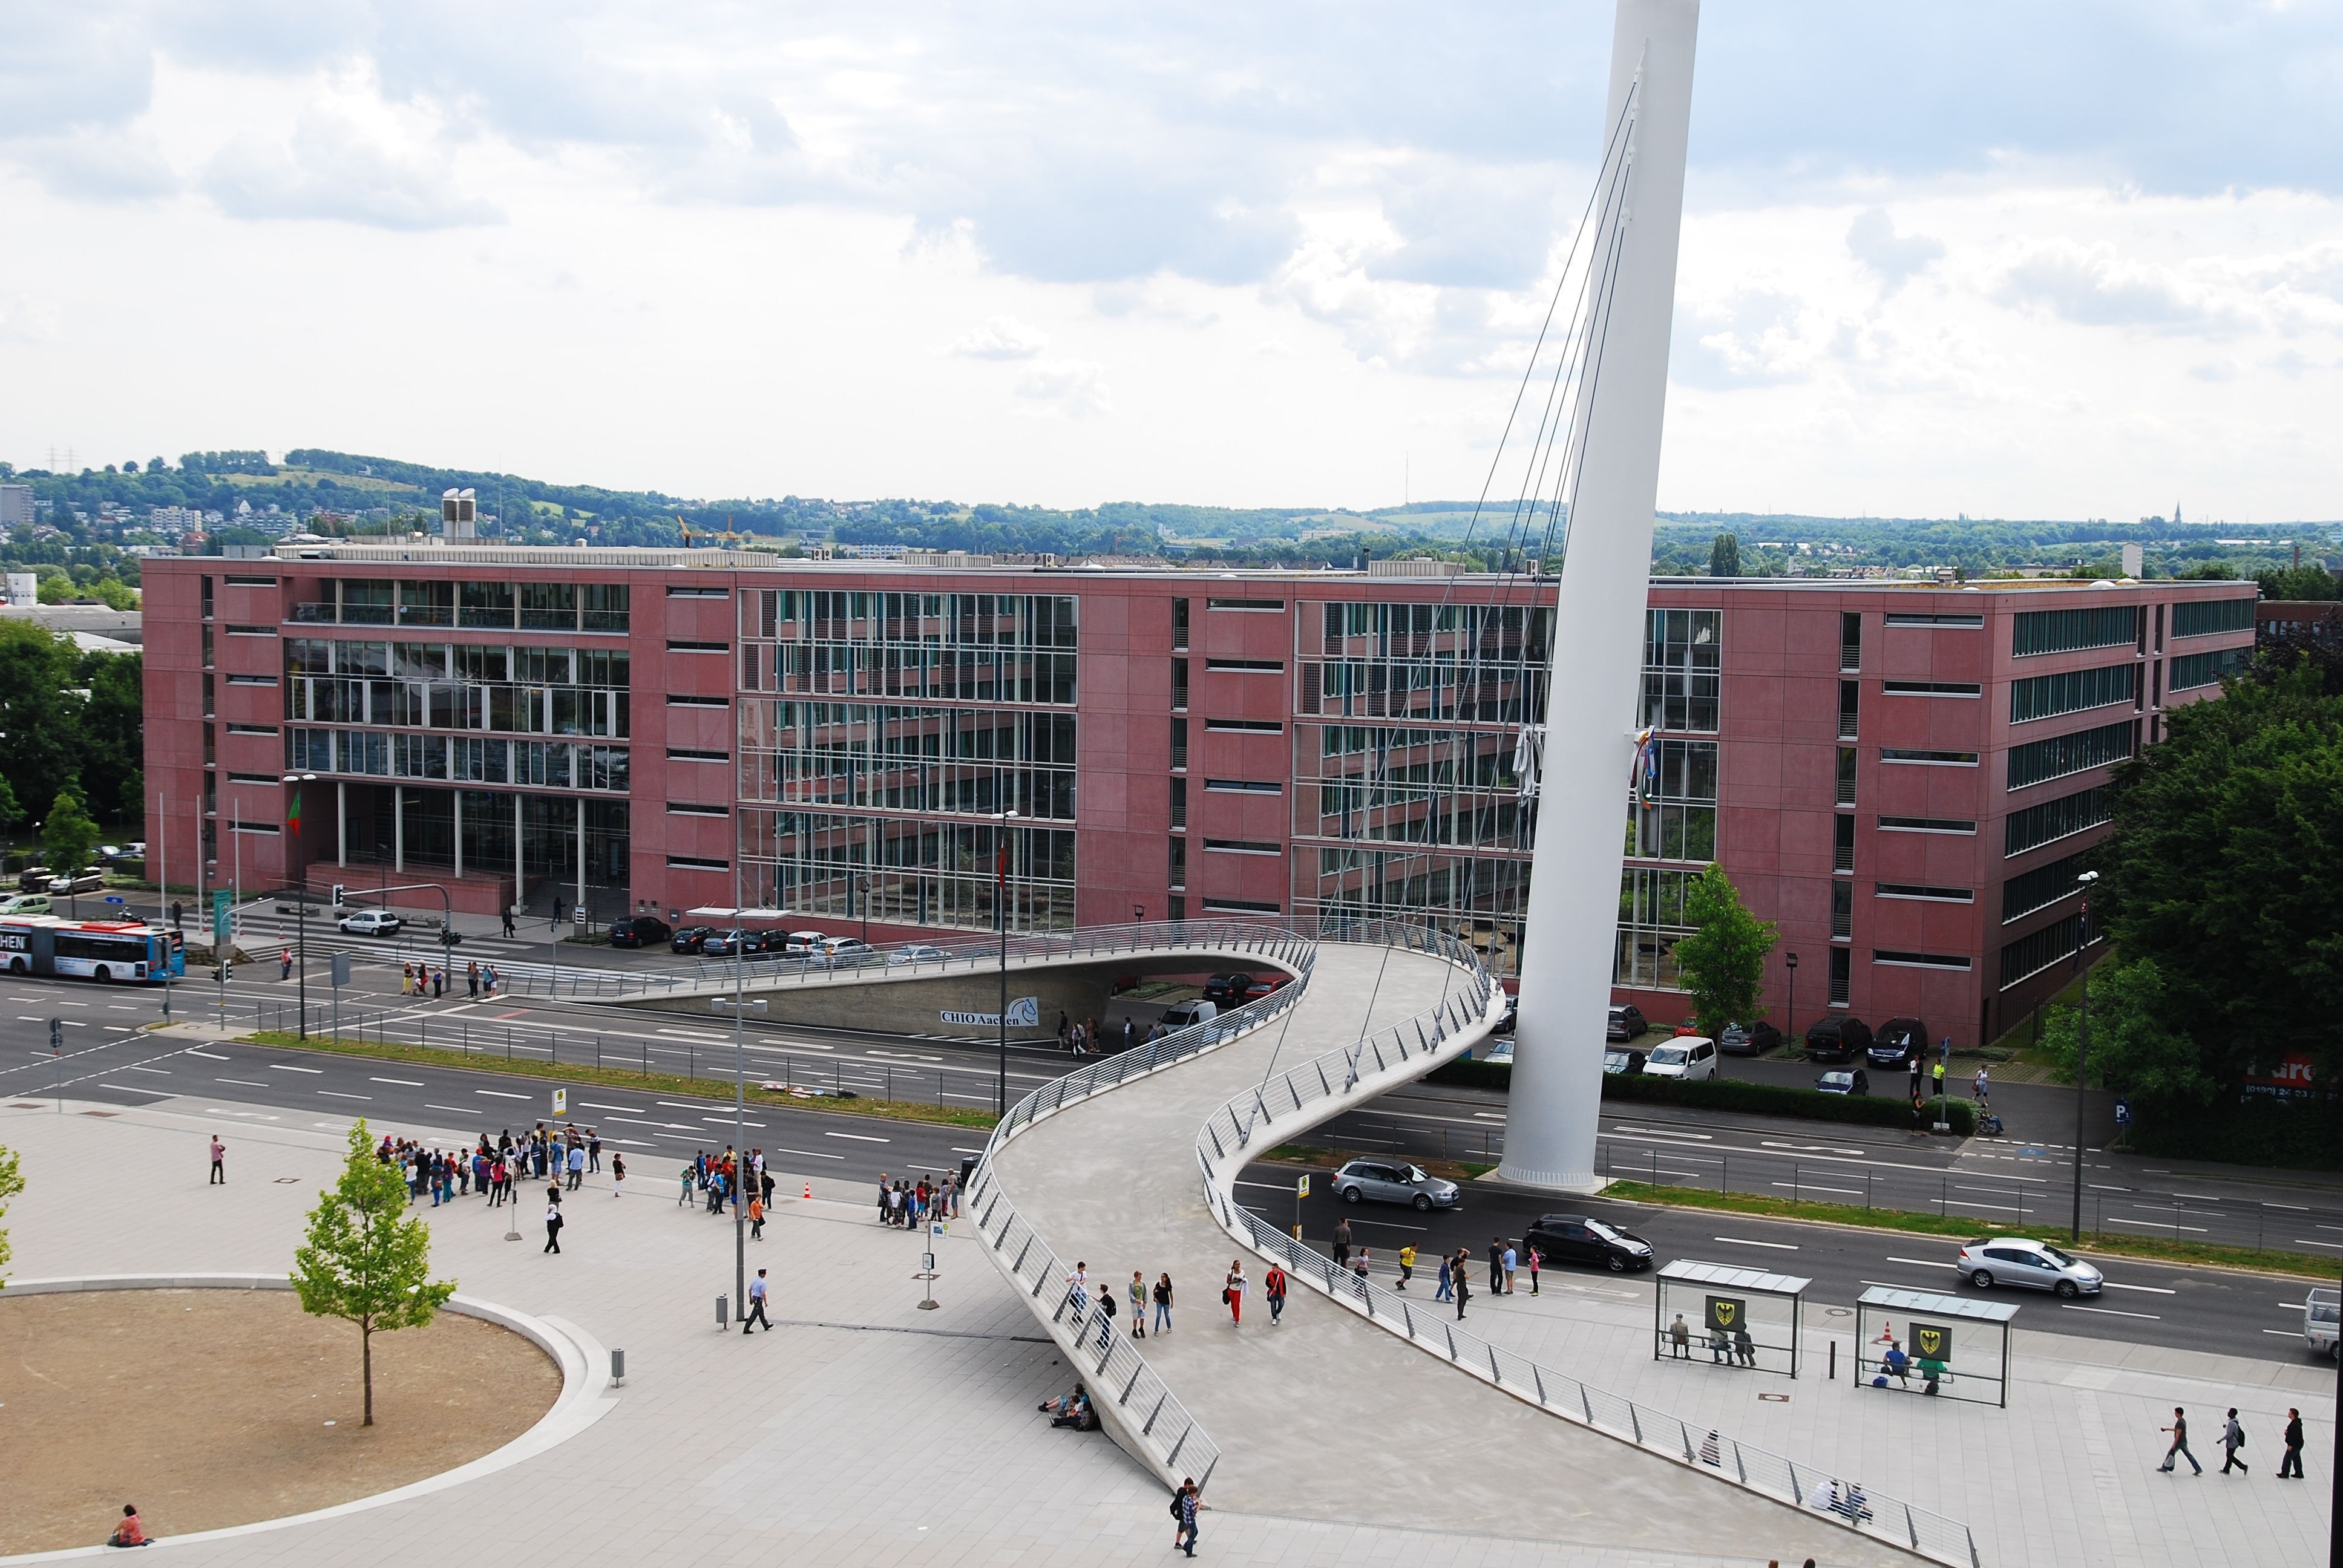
(1261, 986)
(1620, 1060)
(639, 931)
(1691, 1057)
(1838, 1038)
(2322, 1315)
(88, 879)
(370, 923)
(915, 953)
(1181, 1014)
(1502, 1052)
(1626, 1023)
(2037, 1265)
(109, 853)
(1843, 1080)
(1227, 989)
(1899, 1040)
(1575, 1239)
(846, 952)
(1393, 1182)
(1748, 1038)
(796, 944)
(134, 850)
(687, 939)
(26, 904)
(33, 879)
(1512, 1013)
(728, 944)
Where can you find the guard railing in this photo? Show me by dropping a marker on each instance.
(912, 958)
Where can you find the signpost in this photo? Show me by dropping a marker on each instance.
(1300, 1191)
(341, 975)
(928, 1265)
(561, 1102)
(57, 1059)
(223, 902)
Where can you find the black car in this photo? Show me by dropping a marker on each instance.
(1749, 1039)
(1228, 990)
(719, 944)
(1577, 1238)
(1513, 1011)
(639, 931)
(1626, 1023)
(1899, 1040)
(687, 939)
(1837, 1038)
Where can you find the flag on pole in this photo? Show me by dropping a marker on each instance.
(293, 812)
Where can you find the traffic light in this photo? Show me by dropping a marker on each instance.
(338, 894)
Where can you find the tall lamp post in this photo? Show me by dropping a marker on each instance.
(297, 874)
(1792, 961)
(2082, 1047)
(1000, 919)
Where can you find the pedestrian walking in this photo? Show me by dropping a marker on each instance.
(1138, 1291)
(756, 1306)
(2290, 1466)
(691, 1179)
(617, 1174)
(1978, 1085)
(472, 977)
(757, 1221)
(285, 965)
(1232, 1291)
(593, 1151)
(1463, 1281)
(220, 1163)
(1535, 1258)
(553, 1226)
(1407, 1264)
(2179, 1449)
(1105, 1319)
(2233, 1438)
(1447, 1290)
(1162, 1303)
(1512, 1260)
(1126, 1034)
(1342, 1244)
(508, 923)
(1184, 1505)
(1496, 1265)
(1273, 1289)
(1679, 1339)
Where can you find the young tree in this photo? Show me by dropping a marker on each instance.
(69, 834)
(11, 1182)
(366, 1260)
(1723, 963)
(1724, 557)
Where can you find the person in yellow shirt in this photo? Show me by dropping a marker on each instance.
(1406, 1265)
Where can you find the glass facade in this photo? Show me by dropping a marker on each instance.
(1475, 664)
(1684, 651)
(2204, 617)
(1674, 816)
(900, 758)
(1679, 821)
(1651, 922)
(978, 647)
(907, 870)
(2037, 631)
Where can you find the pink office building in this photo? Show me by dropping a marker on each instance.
(1901, 774)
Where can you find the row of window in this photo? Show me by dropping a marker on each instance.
(446, 704)
(2193, 670)
(1440, 687)
(550, 764)
(459, 661)
(1496, 635)
(2040, 888)
(2204, 617)
(2059, 755)
(2030, 954)
(871, 735)
(930, 671)
(2054, 819)
(507, 607)
(2039, 631)
(2072, 691)
(953, 620)
(971, 875)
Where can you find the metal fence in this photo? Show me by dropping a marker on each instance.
(769, 969)
(1221, 1147)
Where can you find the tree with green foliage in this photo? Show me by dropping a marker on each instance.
(112, 729)
(11, 1182)
(2133, 1044)
(2312, 583)
(1724, 557)
(39, 712)
(1723, 963)
(69, 834)
(2219, 892)
(366, 1261)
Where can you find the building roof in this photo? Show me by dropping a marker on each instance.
(1904, 1300)
(1725, 1274)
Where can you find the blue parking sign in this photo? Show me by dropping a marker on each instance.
(2123, 1111)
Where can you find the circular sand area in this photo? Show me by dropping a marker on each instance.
(217, 1407)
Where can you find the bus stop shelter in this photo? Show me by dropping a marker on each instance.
(1742, 1317)
(1954, 1347)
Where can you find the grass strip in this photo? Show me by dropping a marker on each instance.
(2150, 1248)
(567, 1074)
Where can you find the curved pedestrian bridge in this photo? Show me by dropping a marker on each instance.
(1350, 1411)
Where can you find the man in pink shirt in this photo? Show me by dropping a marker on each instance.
(219, 1169)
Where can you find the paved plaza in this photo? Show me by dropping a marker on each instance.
(864, 1430)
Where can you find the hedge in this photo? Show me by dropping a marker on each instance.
(1728, 1094)
(2269, 1130)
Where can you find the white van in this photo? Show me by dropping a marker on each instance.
(1691, 1057)
(1179, 1015)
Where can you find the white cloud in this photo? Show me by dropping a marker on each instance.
(1872, 240)
(331, 166)
(1002, 337)
(1075, 388)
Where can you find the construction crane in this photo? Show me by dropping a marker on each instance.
(729, 536)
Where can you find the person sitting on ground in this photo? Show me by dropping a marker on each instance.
(1061, 1405)
(129, 1533)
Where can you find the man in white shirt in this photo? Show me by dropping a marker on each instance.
(756, 1306)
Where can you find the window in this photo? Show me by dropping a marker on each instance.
(1850, 640)
(2029, 955)
(603, 607)
(1177, 862)
(675, 647)
(1178, 743)
(1682, 651)
(1842, 910)
(1243, 846)
(251, 631)
(1843, 842)
(1652, 921)
(1179, 683)
(695, 862)
(2204, 617)
(683, 809)
(1919, 960)
(1850, 705)
(1243, 787)
(1178, 803)
(252, 729)
(677, 701)
(1246, 665)
(1676, 819)
(1846, 764)
(2071, 691)
(1244, 725)
(248, 680)
(1929, 759)
(674, 592)
(677, 754)
(2040, 888)
(2037, 631)
(248, 582)
(1179, 623)
(269, 779)
(1273, 606)
(267, 827)
(207, 598)
(426, 604)
(485, 604)
(2059, 755)
(1175, 908)
(1923, 893)
(2194, 670)
(1926, 825)
(1931, 688)
(1214, 906)
(2054, 819)
(1965, 622)
(549, 607)
(1842, 975)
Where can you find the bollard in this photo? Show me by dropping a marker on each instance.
(1834, 1362)
(618, 1369)
(723, 1310)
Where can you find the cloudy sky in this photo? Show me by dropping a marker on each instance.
(2007, 259)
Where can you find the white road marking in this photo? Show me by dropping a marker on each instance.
(1745, 1242)
(288, 1067)
(245, 1082)
(858, 1137)
(2109, 1312)
(2152, 1290)
(594, 1105)
(1925, 1262)
(402, 1083)
(207, 1055)
(338, 1094)
(501, 1094)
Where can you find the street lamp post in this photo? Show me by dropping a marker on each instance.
(1000, 919)
(298, 875)
(2082, 1049)
(1792, 959)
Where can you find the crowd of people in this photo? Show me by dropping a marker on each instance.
(910, 1204)
(423, 979)
(565, 1156)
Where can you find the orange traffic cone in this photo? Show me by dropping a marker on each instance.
(809, 1190)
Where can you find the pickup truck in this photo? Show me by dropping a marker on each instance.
(2321, 1311)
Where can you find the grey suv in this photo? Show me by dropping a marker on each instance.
(1393, 1182)
(2037, 1265)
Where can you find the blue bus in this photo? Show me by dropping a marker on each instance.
(107, 952)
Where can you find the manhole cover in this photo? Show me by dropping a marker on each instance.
(101, 1113)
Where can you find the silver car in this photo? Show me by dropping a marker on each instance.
(2037, 1265)
(1393, 1182)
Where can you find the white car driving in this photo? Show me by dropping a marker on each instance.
(1691, 1057)
(371, 923)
